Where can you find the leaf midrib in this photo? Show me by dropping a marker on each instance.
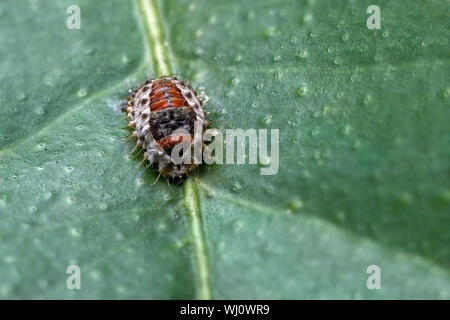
(162, 66)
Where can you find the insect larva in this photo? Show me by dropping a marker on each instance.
(158, 108)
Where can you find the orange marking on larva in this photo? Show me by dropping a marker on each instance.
(159, 105)
(165, 94)
(171, 141)
(163, 86)
(161, 95)
(176, 102)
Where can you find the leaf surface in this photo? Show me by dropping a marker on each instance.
(364, 158)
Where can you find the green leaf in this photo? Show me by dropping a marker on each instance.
(364, 159)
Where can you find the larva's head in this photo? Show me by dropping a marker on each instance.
(177, 172)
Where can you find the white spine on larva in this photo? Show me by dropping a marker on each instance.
(141, 118)
(145, 130)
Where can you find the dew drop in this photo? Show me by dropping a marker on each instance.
(75, 232)
(39, 111)
(264, 161)
(303, 90)
(69, 200)
(119, 236)
(69, 169)
(139, 182)
(199, 33)
(357, 144)
(95, 274)
(235, 81)
(405, 199)
(347, 129)
(315, 132)
(236, 187)
(161, 226)
(267, 119)
(21, 96)
(9, 259)
(268, 32)
(2, 199)
(135, 216)
(238, 225)
(295, 204)
(212, 19)
(82, 93)
(48, 80)
(5, 290)
(199, 52)
(307, 18)
(305, 174)
(301, 54)
(229, 93)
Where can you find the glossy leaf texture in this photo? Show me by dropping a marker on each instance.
(363, 152)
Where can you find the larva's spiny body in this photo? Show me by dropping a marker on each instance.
(157, 108)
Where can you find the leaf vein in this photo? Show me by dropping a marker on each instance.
(161, 64)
